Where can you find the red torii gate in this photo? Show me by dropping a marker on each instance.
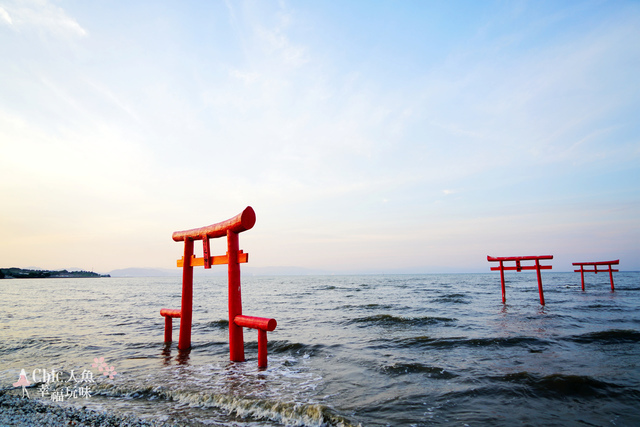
(519, 267)
(595, 269)
(229, 228)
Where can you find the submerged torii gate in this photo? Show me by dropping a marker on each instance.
(520, 267)
(595, 269)
(229, 228)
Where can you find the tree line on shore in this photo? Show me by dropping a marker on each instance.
(22, 273)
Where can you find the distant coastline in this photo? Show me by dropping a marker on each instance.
(22, 273)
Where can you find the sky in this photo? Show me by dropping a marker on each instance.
(368, 136)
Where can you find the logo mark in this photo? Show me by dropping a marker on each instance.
(107, 371)
(24, 382)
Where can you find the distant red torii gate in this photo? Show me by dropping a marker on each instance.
(595, 269)
(229, 228)
(519, 267)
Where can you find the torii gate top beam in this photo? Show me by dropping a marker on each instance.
(239, 223)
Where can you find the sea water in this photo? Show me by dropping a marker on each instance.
(370, 350)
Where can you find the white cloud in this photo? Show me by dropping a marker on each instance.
(247, 78)
(277, 42)
(41, 15)
(4, 15)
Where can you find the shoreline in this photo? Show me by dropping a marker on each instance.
(25, 412)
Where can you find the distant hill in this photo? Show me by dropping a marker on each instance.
(23, 273)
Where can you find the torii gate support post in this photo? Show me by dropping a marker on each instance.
(539, 281)
(520, 267)
(595, 270)
(236, 339)
(504, 296)
(186, 312)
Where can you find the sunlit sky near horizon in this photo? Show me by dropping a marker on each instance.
(368, 136)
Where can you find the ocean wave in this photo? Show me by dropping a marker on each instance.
(390, 320)
(9, 347)
(326, 288)
(215, 324)
(287, 413)
(137, 345)
(563, 385)
(452, 342)
(368, 307)
(453, 298)
(416, 368)
(531, 386)
(280, 346)
(36, 344)
(611, 336)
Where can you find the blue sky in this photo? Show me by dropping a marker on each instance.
(384, 136)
